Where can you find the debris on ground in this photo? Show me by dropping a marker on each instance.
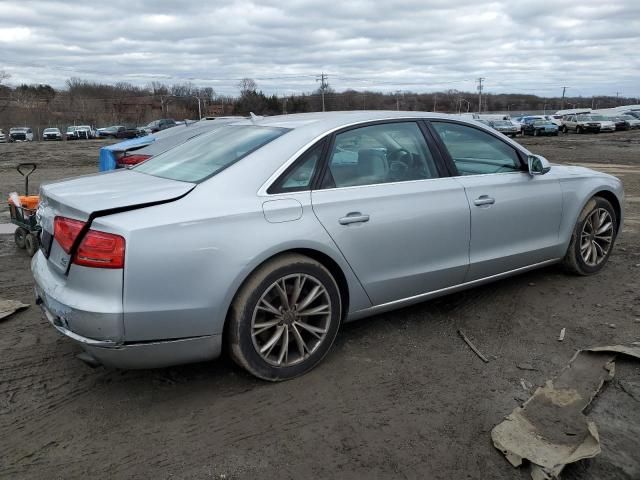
(8, 307)
(561, 336)
(473, 347)
(550, 429)
(526, 366)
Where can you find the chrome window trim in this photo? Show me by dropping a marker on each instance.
(262, 191)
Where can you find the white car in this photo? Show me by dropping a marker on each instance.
(21, 134)
(51, 134)
(606, 125)
(3, 138)
(90, 133)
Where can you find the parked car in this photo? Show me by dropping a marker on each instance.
(579, 123)
(630, 120)
(109, 132)
(129, 153)
(158, 125)
(540, 127)
(52, 133)
(3, 138)
(529, 119)
(606, 125)
(276, 230)
(71, 133)
(505, 127)
(20, 134)
(131, 132)
(86, 131)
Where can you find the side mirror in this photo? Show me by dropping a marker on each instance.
(538, 165)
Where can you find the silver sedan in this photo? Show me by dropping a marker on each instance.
(266, 234)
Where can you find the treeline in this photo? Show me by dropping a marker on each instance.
(101, 104)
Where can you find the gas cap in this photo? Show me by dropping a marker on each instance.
(282, 210)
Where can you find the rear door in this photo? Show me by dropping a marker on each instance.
(399, 222)
(515, 217)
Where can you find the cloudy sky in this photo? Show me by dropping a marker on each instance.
(417, 45)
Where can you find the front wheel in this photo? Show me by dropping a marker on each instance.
(31, 244)
(285, 318)
(19, 236)
(592, 239)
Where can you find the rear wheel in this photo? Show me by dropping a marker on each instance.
(19, 237)
(285, 318)
(593, 238)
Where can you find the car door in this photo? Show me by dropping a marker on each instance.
(401, 225)
(515, 217)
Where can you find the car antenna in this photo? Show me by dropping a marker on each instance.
(255, 118)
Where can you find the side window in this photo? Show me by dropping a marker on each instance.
(300, 176)
(475, 152)
(389, 152)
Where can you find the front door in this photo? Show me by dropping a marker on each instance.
(515, 217)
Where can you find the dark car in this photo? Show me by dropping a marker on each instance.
(158, 125)
(108, 132)
(540, 127)
(129, 132)
(621, 123)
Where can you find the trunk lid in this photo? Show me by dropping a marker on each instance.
(88, 197)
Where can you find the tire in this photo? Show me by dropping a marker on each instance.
(578, 130)
(564, 129)
(274, 364)
(19, 237)
(536, 133)
(574, 260)
(31, 244)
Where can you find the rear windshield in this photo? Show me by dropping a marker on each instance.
(204, 156)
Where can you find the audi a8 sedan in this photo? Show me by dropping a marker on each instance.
(261, 237)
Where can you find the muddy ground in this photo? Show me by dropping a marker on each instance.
(399, 396)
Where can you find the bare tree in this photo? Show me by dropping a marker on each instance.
(247, 86)
(4, 76)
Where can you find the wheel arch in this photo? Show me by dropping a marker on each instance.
(323, 258)
(615, 203)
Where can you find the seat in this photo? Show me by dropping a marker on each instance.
(372, 166)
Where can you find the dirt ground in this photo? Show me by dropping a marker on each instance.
(399, 396)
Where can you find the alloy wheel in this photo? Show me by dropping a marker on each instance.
(291, 320)
(596, 237)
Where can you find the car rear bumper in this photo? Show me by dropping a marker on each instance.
(101, 334)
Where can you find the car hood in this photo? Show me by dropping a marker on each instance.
(578, 171)
(104, 193)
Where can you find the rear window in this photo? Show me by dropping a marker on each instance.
(204, 156)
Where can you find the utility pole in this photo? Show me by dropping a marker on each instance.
(480, 80)
(435, 101)
(564, 89)
(323, 85)
(617, 97)
(284, 106)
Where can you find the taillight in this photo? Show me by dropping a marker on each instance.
(97, 249)
(65, 231)
(100, 250)
(132, 159)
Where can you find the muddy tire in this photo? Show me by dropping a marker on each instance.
(592, 239)
(284, 318)
(19, 237)
(31, 244)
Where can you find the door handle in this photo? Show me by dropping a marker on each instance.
(354, 217)
(484, 200)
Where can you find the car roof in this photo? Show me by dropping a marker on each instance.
(326, 121)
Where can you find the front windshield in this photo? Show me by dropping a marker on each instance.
(204, 156)
(502, 123)
(584, 118)
(598, 118)
(627, 117)
(50, 130)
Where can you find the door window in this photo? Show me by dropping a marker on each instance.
(476, 152)
(389, 152)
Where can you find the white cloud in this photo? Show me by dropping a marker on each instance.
(418, 45)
